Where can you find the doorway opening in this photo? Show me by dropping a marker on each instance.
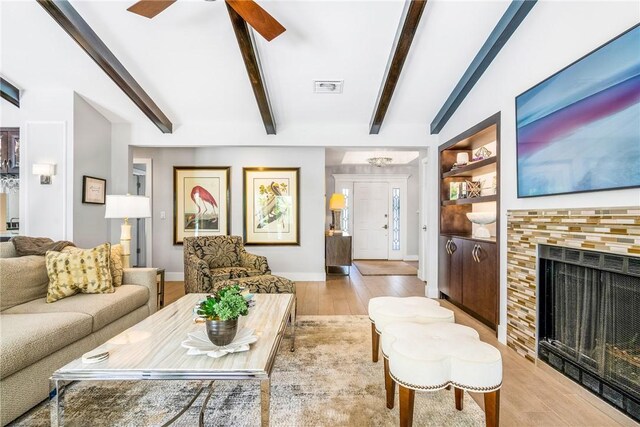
(381, 188)
(142, 231)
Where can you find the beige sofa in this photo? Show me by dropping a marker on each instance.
(37, 338)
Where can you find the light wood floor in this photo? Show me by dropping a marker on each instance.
(531, 395)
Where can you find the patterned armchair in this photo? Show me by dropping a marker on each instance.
(210, 260)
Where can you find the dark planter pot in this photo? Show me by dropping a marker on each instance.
(222, 332)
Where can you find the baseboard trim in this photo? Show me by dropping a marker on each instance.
(411, 258)
(178, 276)
(174, 276)
(303, 277)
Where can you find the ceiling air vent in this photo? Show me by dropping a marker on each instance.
(327, 86)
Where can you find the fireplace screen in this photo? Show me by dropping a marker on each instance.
(589, 323)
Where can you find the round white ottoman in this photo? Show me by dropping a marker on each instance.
(429, 357)
(386, 310)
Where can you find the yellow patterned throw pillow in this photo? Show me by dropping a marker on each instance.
(86, 271)
(117, 270)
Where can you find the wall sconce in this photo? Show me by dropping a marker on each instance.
(45, 170)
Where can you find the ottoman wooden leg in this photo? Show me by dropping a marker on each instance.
(459, 397)
(375, 343)
(492, 408)
(389, 385)
(407, 396)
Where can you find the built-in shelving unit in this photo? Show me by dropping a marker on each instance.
(469, 266)
(470, 200)
(476, 168)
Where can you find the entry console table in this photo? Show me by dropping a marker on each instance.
(337, 251)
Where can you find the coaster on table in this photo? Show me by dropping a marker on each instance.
(95, 356)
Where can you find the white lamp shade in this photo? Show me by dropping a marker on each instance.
(127, 207)
(43, 169)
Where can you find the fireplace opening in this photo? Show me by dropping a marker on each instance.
(589, 322)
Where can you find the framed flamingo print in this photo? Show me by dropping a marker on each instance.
(201, 202)
(271, 206)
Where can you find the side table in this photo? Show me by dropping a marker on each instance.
(337, 251)
(160, 280)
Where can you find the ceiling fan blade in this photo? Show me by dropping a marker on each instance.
(258, 18)
(150, 8)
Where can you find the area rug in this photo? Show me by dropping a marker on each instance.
(328, 381)
(385, 268)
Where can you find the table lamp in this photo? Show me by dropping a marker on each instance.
(336, 204)
(127, 207)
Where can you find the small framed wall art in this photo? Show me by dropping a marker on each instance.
(93, 190)
(272, 206)
(201, 202)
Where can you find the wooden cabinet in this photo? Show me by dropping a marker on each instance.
(9, 150)
(479, 281)
(467, 275)
(337, 251)
(450, 267)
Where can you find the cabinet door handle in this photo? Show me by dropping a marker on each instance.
(478, 253)
(473, 253)
(446, 247)
(454, 247)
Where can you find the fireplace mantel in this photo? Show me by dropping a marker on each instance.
(615, 230)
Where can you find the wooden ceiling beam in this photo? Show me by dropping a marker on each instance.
(79, 30)
(254, 70)
(9, 92)
(404, 37)
(509, 22)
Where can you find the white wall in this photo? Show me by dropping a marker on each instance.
(552, 36)
(92, 157)
(304, 262)
(413, 187)
(46, 125)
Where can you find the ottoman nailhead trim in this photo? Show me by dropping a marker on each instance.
(444, 385)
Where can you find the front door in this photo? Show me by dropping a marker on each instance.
(371, 220)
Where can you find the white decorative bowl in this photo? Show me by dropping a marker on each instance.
(482, 219)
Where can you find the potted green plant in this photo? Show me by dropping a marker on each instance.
(221, 311)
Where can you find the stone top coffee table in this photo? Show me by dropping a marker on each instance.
(151, 350)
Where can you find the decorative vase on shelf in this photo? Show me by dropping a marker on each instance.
(481, 219)
(222, 332)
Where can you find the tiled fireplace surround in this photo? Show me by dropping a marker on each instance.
(615, 230)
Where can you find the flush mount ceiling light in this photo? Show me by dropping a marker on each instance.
(364, 157)
(379, 162)
(328, 86)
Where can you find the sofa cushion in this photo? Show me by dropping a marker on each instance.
(22, 279)
(25, 338)
(7, 250)
(86, 271)
(104, 308)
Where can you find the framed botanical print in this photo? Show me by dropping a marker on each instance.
(93, 190)
(201, 202)
(271, 206)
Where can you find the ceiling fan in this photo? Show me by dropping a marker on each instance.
(249, 10)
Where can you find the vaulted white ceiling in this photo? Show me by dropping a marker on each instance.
(188, 60)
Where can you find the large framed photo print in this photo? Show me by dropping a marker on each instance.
(271, 206)
(579, 130)
(201, 202)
